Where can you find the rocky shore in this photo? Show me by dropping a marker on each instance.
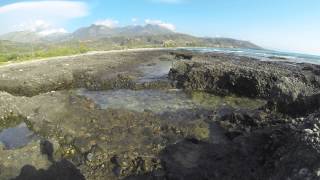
(293, 88)
(234, 118)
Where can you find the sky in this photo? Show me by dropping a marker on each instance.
(287, 25)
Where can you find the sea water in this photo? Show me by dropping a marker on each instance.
(265, 55)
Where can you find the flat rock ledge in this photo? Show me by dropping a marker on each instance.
(290, 88)
(280, 141)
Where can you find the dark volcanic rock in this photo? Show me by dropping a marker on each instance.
(211, 142)
(309, 130)
(264, 154)
(182, 55)
(294, 88)
(62, 170)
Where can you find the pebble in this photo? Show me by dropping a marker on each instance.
(90, 156)
(308, 131)
(125, 164)
(303, 172)
(318, 172)
(68, 139)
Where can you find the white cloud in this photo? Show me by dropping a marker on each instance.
(52, 31)
(37, 25)
(40, 26)
(108, 23)
(60, 9)
(134, 20)
(161, 24)
(168, 1)
(40, 15)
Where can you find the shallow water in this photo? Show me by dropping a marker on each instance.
(155, 71)
(16, 137)
(213, 101)
(160, 101)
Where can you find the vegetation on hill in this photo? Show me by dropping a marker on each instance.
(21, 46)
(12, 51)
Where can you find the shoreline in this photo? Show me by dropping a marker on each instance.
(78, 55)
(88, 54)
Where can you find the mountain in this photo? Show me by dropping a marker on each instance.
(230, 43)
(98, 37)
(21, 36)
(25, 45)
(33, 36)
(55, 37)
(95, 32)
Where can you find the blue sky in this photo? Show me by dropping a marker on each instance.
(289, 25)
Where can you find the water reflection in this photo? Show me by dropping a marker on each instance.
(16, 137)
(160, 101)
(155, 71)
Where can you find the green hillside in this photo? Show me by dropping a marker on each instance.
(17, 47)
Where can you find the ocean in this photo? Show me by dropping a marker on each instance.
(264, 55)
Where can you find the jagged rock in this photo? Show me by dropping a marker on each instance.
(191, 143)
(293, 88)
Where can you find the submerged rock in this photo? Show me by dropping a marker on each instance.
(13, 160)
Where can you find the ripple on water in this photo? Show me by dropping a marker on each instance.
(16, 137)
(156, 71)
(159, 101)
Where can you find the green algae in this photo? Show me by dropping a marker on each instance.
(213, 101)
(160, 101)
(10, 121)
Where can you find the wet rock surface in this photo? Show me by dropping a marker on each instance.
(127, 122)
(98, 72)
(291, 88)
